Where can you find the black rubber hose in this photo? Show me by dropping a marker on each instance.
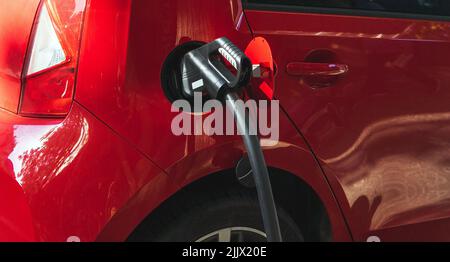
(260, 171)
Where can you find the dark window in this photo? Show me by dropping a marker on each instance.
(424, 7)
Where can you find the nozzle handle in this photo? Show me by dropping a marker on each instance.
(202, 69)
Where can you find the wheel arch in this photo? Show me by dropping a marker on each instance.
(301, 173)
(315, 226)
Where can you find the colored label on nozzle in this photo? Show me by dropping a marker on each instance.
(197, 84)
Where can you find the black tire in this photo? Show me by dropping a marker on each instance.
(234, 208)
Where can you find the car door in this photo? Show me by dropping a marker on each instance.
(367, 82)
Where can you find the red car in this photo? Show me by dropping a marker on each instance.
(87, 152)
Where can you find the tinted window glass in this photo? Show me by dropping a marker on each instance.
(427, 7)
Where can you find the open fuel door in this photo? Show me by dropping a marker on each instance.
(260, 54)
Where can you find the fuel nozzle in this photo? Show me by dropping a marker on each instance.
(210, 69)
(220, 69)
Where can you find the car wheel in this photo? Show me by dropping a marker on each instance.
(227, 217)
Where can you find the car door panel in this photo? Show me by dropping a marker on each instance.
(381, 131)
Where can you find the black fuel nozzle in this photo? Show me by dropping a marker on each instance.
(203, 69)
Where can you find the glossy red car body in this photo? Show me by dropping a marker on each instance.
(373, 144)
